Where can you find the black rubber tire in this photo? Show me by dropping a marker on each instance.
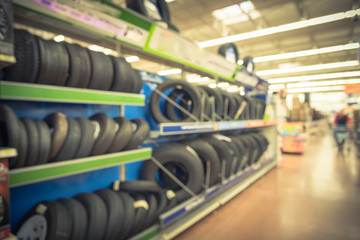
(206, 107)
(219, 102)
(123, 75)
(58, 221)
(223, 48)
(59, 126)
(153, 208)
(44, 142)
(239, 100)
(26, 68)
(140, 214)
(106, 135)
(138, 82)
(79, 218)
(9, 131)
(180, 97)
(140, 186)
(171, 201)
(115, 209)
(247, 151)
(102, 71)
(129, 214)
(253, 148)
(23, 147)
(138, 6)
(162, 202)
(235, 153)
(87, 139)
(123, 135)
(181, 155)
(54, 63)
(223, 152)
(140, 134)
(175, 84)
(72, 142)
(33, 141)
(241, 148)
(177, 170)
(207, 153)
(97, 215)
(249, 60)
(248, 109)
(232, 106)
(79, 66)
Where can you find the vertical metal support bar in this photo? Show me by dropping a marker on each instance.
(118, 49)
(202, 115)
(226, 108)
(122, 170)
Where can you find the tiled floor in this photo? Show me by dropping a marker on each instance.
(312, 196)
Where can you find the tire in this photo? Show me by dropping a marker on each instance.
(249, 64)
(23, 147)
(208, 155)
(223, 49)
(253, 148)
(97, 215)
(58, 221)
(79, 218)
(175, 84)
(9, 131)
(140, 133)
(44, 142)
(87, 139)
(219, 103)
(33, 141)
(162, 202)
(181, 98)
(231, 109)
(223, 152)
(138, 82)
(59, 127)
(26, 68)
(182, 156)
(106, 136)
(236, 155)
(54, 63)
(239, 100)
(242, 152)
(79, 66)
(72, 142)
(207, 105)
(138, 6)
(153, 208)
(34, 227)
(247, 151)
(129, 214)
(123, 75)
(140, 214)
(102, 71)
(123, 135)
(140, 186)
(115, 210)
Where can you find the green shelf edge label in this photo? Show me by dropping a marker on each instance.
(37, 92)
(66, 168)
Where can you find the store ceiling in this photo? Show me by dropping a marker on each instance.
(196, 21)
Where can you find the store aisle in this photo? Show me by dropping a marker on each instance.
(312, 196)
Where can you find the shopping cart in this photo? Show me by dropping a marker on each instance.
(341, 134)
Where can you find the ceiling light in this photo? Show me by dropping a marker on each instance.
(169, 72)
(315, 77)
(132, 59)
(307, 52)
(317, 89)
(308, 68)
(322, 83)
(281, 28)
(59, 38)
(169, 1)
(276, 86)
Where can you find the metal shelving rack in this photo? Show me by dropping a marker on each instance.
(45, 15)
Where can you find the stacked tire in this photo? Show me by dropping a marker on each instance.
(63, 64)
(179, 101)
(202, 162)
(59, 138)
(103, 214)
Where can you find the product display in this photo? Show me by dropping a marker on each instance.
(178, 101)
(58, 138)
(230, 52)
(63, 64)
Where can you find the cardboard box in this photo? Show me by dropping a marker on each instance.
(7, 34)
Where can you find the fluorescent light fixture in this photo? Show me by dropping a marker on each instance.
(132, 59)
(276, 86)
(317, 89)
(277, 29)
(307, 52)
(315, 77)
(169, 71)
(169, 1)
(59, 38)
(308, 68)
